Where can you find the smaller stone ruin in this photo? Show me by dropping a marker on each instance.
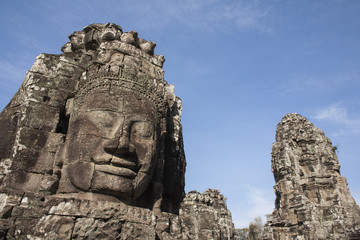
(207, 215)
(312, 198)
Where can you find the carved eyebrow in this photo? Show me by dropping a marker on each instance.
(140, 119)
(103, 109)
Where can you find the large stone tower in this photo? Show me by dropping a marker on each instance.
(312, 198)
(91, 145)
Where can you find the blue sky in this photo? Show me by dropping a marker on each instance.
(238, 66)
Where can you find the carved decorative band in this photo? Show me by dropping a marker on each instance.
(106, 76)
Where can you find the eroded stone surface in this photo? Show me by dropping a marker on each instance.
(91, 145)
(205, 216)
(312, 198)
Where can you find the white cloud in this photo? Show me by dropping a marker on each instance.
(333, 113)
(210, 15)
(357, 198)
(320, 83)
(337, 114)
(247, 16)
(303, 83)
(11, 76)
(143, 15)
(11, 72)
(259, 203)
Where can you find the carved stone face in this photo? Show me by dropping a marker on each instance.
(111, 144)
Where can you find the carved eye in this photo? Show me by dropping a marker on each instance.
(142, 129)
(103, 119)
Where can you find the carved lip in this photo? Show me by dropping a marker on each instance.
(124, 163)
(112, 164)
(120, 171)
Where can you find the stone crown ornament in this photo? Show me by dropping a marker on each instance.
(104, 76)
(95, 34)
(99, 43)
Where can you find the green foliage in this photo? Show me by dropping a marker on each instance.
(336, 149)
(241, 234)
(256, 229)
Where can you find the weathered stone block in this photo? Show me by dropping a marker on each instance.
(41, 117)
(54, 227)
(136, 231)
(90, 228)
(45, 64)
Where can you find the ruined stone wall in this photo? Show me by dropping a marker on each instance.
(33, 216)
(312, 198)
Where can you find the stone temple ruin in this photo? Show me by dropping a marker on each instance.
(91, 148)
(312, 198)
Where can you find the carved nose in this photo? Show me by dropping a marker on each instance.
(120, 146)
(125, 148)
(124, 143)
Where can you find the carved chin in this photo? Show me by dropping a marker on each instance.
(89, 177)
(119, 186)
(85, 177)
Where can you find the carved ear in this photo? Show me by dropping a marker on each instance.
(69, 106)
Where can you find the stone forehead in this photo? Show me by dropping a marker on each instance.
(112, 87)
(117, 101)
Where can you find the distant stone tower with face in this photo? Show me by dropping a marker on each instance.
(91, 146)
(312, 198)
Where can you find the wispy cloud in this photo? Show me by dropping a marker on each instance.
(11, 72)
(203, 15)
(337, 114)
(144, 16)
(212, 15)
(357, 198)
(248, 16)
(303, 83)
(333, 113)
(11, 76)
(316, 84)
(259, 203)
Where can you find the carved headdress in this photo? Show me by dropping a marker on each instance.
(112, 60)
(121, 60)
